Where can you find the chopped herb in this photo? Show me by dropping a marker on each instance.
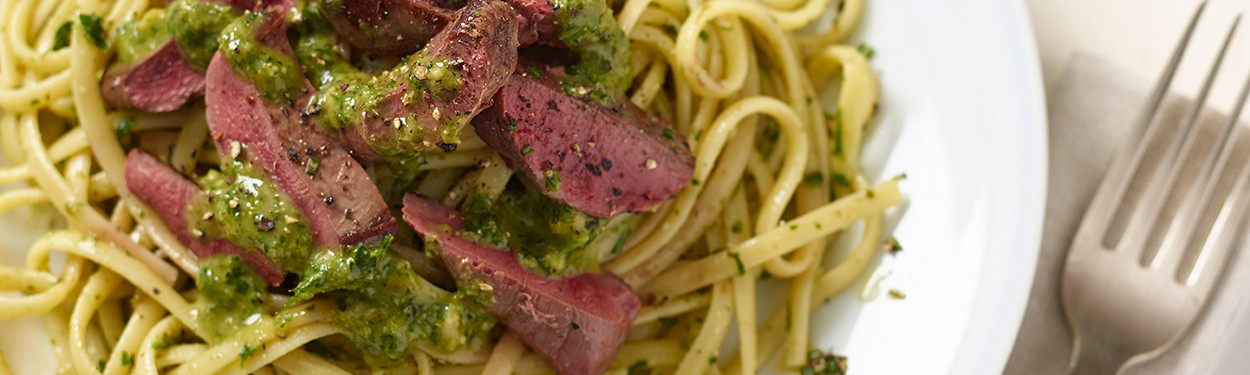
(247, 351)
(866, 50)
(840, 179)
(61, 39)
(166, 342)
(620, 241)
(794, 226)
(533, 70)
(574, 325)
(742, 269)
(711, 360)
(313, 164)
(510, 125)
(670, 29)
(553, 180)
(814, 178)
(637, 368)
(891, 246)
(127, 359)
(698, 134)
(99, 366)
(820, 363)
(703, 35)
(737, 227)
(123, 127)
(897, 294)
(695, 182)
(527, 150)
(668, 321)
(765, 275)
(668, 133)
(93, 28)
(809, 100)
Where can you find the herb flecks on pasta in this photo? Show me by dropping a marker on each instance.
(774, 116)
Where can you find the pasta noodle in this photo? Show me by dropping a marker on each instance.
(776, 178)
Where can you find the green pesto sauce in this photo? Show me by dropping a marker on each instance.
(232, 296)
(250, 211)
(317, 48)
(197, 25)
(384, 307)
(346, 95)
(275, 74)
(194, 24)
(548, 237)
(141, 37)
(387, 310)
(603, 71)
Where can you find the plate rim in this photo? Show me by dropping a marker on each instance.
(980, 340)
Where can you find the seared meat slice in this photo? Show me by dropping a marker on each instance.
(169, 194)
(537, 22)
(401, 27)
(422, 105)
(576, 324)
(160, 83)
(165, 79)
(600, 160)
(332, 190)
(387, 27)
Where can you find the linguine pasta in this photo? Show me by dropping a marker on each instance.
(776, 177)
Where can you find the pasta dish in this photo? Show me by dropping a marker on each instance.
(436, 186)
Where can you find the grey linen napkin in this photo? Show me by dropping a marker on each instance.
(1090, 111)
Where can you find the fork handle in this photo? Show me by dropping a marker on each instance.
(1096, 356)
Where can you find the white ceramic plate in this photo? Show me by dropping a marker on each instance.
(963, 115)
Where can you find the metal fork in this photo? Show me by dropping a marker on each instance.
(1155, 237)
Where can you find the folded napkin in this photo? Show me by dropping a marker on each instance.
(1090, 115)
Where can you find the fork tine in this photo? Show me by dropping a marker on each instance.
(1115, 182)
(1195, 222)
(1165, 80)
(1184, 162)
(1225, 232)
